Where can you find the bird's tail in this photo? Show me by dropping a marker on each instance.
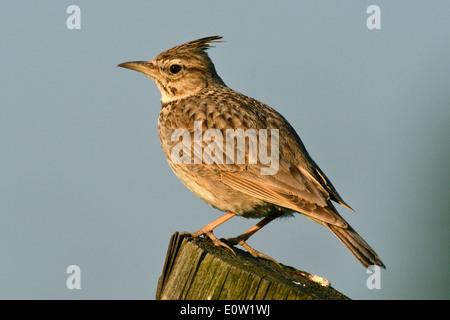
(360, 248)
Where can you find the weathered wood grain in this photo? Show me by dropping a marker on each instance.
(195, 269)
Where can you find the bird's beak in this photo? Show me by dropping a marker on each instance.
(146, 67)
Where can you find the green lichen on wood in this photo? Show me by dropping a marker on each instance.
(196, 269)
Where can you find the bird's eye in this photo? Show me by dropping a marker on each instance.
(175, 68)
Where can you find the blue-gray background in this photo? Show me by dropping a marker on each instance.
(83, 179)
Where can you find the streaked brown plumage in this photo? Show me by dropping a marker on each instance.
(192, 91)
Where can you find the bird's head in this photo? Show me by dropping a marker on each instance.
(181, 71)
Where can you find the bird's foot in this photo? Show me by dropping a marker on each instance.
(255, 253)
(208, 233)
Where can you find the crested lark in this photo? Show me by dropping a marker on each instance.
(198, 113)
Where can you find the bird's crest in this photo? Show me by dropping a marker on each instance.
(198, 46)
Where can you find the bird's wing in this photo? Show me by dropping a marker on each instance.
(290, 190)
(297, 184)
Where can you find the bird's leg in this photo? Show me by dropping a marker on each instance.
(247, 234)
(208, 230)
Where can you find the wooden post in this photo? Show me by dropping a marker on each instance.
(195, 269)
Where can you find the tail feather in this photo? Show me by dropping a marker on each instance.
(360, 248)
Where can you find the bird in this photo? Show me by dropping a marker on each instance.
(211, 135)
